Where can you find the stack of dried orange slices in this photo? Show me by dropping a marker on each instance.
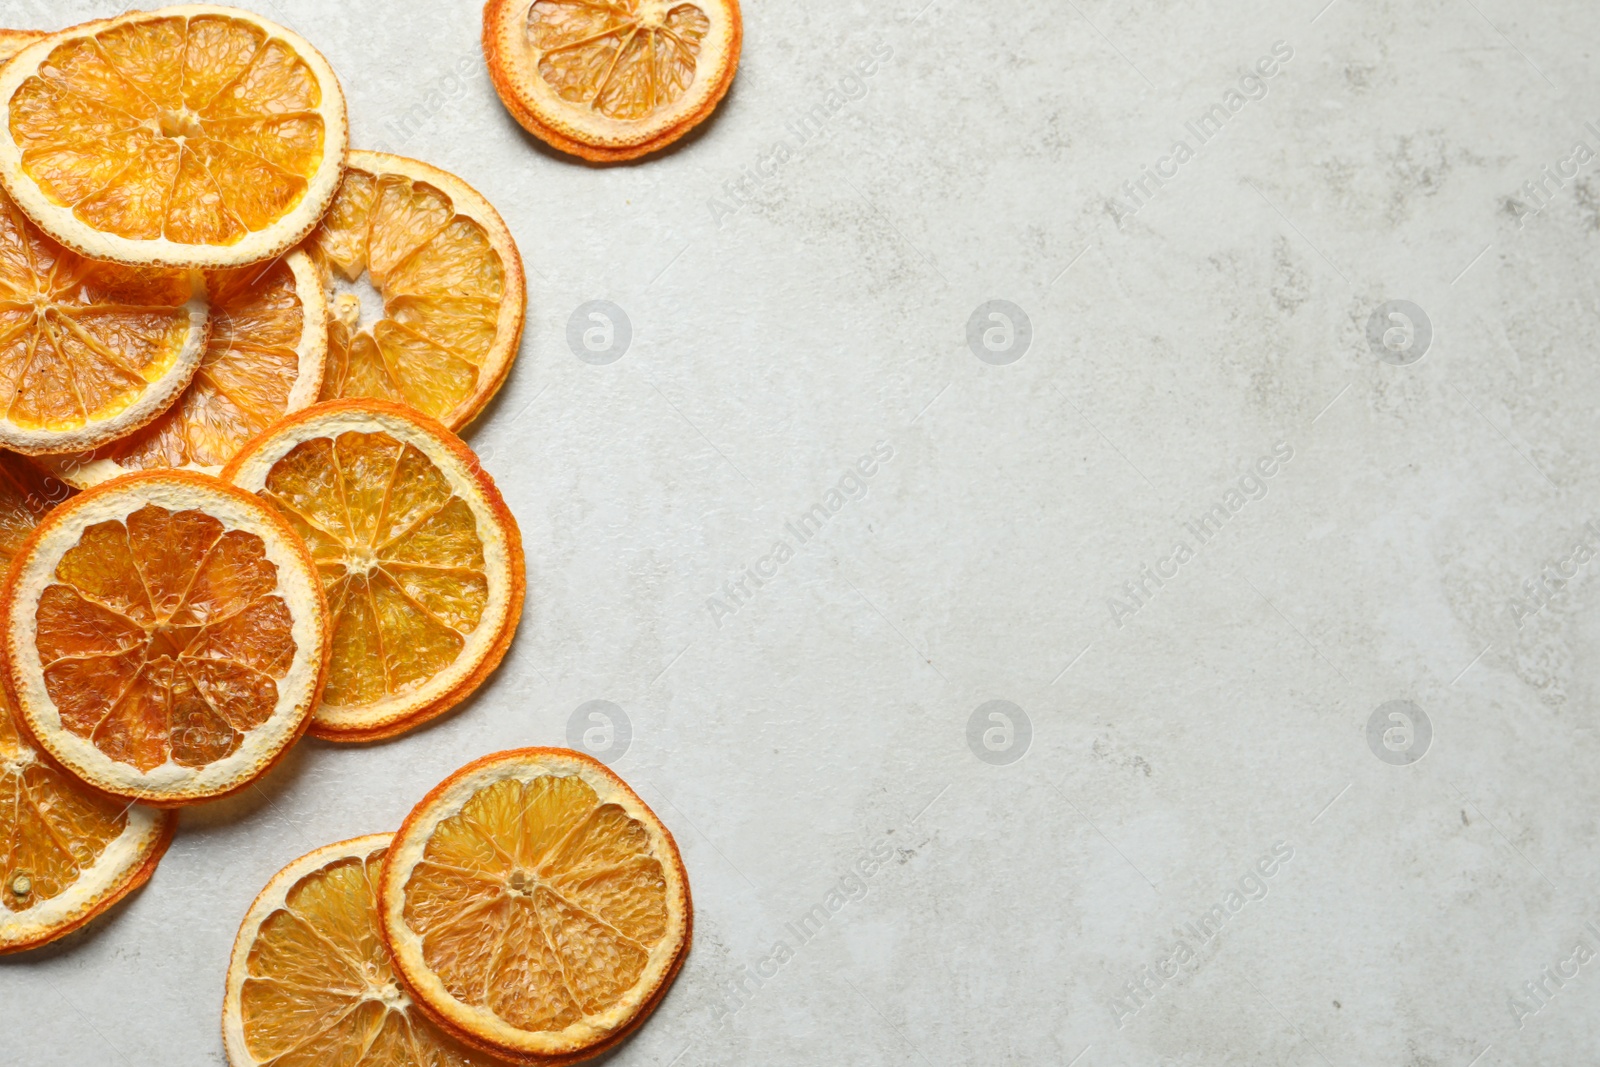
(232, 511)
(531, 909)
(234, 355)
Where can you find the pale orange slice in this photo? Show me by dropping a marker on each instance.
(310, 982)
(14, 41)
(438, 259)
(88, 351)
(535, 906)
(611, 80)
(421, 560)
(67, 853)
(194, 136)
(166, 637)
(265, 358)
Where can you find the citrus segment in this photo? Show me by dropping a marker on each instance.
(88, 351)
(265, 358)
(450, 280)
(310, 981)
(420, 559)
(614, 80)
(189, 136)
(535, 905)
(67, 853)
(167, 637)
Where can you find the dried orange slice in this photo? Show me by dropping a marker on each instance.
(436, 257)
(88, 351)
(611, 80)
(310, 981)
(421, 560)
(535, 906)
(166, 637)
(265, 358)
(14, 41)
(67, 853)
(193, 136)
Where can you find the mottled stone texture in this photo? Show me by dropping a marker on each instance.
(799, 532)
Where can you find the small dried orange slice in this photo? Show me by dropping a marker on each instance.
(88, 351)
(265, 358)
(436, 266)
(420, 558)
(535, 906)
(611, 80)
(166, 637)
(14, 41)
(67, 853)
(194, 136)
(310, 982)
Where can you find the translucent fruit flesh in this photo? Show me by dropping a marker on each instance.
(51, 828)
(399, 555)
(626, 59)
(441, 282)
(320, 989)
(26, 493)
(538, 903)
(200, 130)
(161, 638)
(251, 363)
(80, 341)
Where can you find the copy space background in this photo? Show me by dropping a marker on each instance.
(776, 342)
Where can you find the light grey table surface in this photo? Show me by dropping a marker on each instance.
(793, 310)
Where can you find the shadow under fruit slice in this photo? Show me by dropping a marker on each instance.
(436, 266)
(420, 559)
(310, 982)
(611, 81)
(535, 906)
(89, 351)
(193, 136)
(264, 359)
(166, 637)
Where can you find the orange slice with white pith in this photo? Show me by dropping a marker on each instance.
(425, 287)
(420, 557)
(310, 982)
(611, 80)
(89, 351)
(166, 637)
(198, 136)
(264, 359)
(535, 907)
